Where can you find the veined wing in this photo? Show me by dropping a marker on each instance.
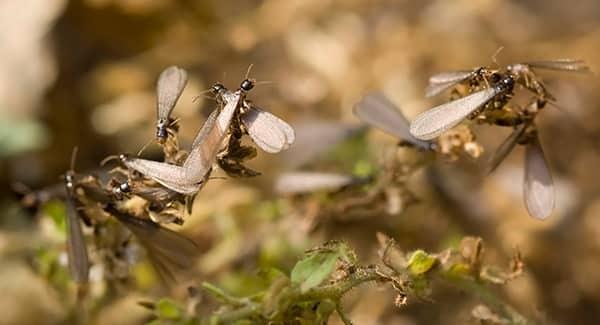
(561, 65)
(79, 264)
(445, 80)
(168, 89)
(170, 176)
(430, 124)
(169, 251)
(538, 188)
(268, 131)
(210, 140)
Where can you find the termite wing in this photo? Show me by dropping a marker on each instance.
(440, 82)
(538, 188)
(432, 123)
(190, 177)
(573, 65)
(506, 147)
(169, 87)
(168, 251)
(79, 264)
(307, 182)
(267, 131)
(378, 111)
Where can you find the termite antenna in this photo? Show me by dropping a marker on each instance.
(248, 71)
(109, 158)
(144, 147)
(73, 157)
(263, 82)
(495, 56)
(203, 94)
(174, 121)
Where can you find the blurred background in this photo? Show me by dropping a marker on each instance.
(82, 73)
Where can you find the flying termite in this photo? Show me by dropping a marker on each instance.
(169, 87)
(267, 131)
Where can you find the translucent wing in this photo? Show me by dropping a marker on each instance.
(561, 65)
(306, 182)
(171, 176)
(169, 251)
(268, 131)
(445, 80)
(432, 123)
(538, 188)
(206, 127)
(76, 248)
(378, 111)
(210, 140)
(505, 148)
(168, 89)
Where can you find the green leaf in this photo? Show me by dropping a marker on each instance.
(420, 262)
(168, 309)
(314, 269)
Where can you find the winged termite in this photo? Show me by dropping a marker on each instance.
(267, 131)
(538, 188)
(378, 111)
(432, 123)
(168, 250)
(306, 182)
(76, 249)
(169, 87)
(190, 177)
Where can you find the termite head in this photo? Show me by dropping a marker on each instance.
(161, 130)
(124, 187)
(69, 179)
(120, 189)
(506, 84)
(217, 88)
(247, 84)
